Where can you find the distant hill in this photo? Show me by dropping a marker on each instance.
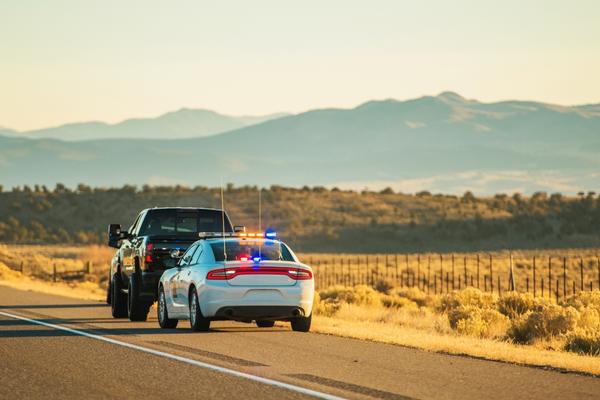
(184, 123)
(444, 143)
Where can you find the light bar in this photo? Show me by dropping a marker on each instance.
(268, 235)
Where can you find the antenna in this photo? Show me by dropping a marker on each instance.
(260, 219)
(223, 221)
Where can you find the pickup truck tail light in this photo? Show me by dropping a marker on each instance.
(223, 274)
(148, 253)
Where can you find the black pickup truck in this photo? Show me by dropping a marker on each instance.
(151, 245)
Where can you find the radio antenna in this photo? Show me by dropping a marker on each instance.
(223, 221)
(260, 220)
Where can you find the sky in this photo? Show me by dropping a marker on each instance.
(79, 60)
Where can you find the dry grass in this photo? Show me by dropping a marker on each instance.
(39, 261)
(455, 344)
(515, 327)
(77, 290)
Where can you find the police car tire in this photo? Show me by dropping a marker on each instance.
(198, 322)
(301, 324)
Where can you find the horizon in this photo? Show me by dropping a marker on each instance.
(288, 113)
(70, 61)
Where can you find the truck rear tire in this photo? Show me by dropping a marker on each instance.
(137, 309)
(109, 289)
(118, 300)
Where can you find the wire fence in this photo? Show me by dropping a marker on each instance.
(551, 276)
(57, 271)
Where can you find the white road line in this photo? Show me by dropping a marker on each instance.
(238, 374)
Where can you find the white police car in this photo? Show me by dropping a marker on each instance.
(243, 277)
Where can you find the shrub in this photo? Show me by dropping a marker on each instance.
(326, 308)
(474, 321)
(359, 295)
(548, 321)
(514, 304)
(464, 298)
(585, 299)
(384, 285)
(583, 341)
(414, 294)
(589, 319)
(397, 302)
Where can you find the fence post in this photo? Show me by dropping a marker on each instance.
(534, 280)
(54, 272)
(557, 286)
(441, 273)
(452, 271)
(499, 286)
(550, 277)
(419, 271)
(574, 287)
(581, 271)
(491, 276)
(407, 273)
(465, 265)
(542, 286)
(511, 275)
(428, 272)
(477, 270)
(564, 277)
(21, 267)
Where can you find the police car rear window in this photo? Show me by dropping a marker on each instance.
(247, 250)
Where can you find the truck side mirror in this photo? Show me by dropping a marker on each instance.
(239, 229)
(115, 234)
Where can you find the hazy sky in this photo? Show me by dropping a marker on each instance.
(73, 60)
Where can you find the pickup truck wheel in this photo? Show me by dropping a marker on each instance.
(197, 320)
(263, 323)
(301, 324)
(163, 314)
(118, 301)
(136, 308)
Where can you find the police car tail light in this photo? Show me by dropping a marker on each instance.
(221, 274)
(300, 274)
(148, 257)
(230, 273)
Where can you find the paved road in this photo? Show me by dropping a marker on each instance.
(121, 359)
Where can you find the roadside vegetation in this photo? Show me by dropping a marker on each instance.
(316, 219)
(514, 327)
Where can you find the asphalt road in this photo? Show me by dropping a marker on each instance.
(106, 358)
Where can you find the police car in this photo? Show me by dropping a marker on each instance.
(243, 277)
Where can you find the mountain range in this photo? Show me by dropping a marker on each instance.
(443, 143)
(184, 123)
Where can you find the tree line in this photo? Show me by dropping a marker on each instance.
(317, 218)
